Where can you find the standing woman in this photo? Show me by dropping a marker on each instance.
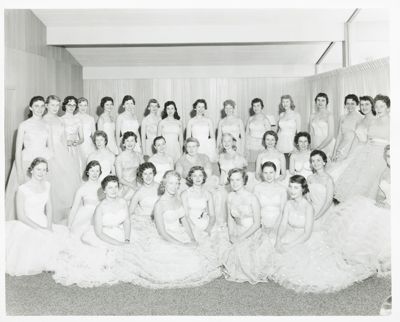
(127, 121)
(161, 160)
(103, 155)
(322, 126)
(32, 241)
(64, 172)
(272, 196)
(347, 127)
(85, 201)
(201, 128)
(171, 129)
(106, 123)
(127, 163)
(300, 159)
(88, 128)
(289, 124)
(257, 125)
(232, 124)
(270, 140)
(148, 130)
(73, 130)
(33, 140)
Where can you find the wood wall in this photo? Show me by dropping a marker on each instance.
(32, 68)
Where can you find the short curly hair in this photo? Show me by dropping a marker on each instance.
(321, 153)
(99, 133)
(34, 163)
(66, 101)
(108, 179)
(299, 135)
(90, 165)
(142, 168)
(242, 172)
(297, 178)
(272, 133)
(189, 180)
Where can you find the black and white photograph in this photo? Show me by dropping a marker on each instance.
(198, 161)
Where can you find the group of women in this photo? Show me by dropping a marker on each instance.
(172, 221)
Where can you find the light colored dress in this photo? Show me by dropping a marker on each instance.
(303, 168)
(348, 127)
(30, 251)
(72, 126)
(170, 131)
(151, 132)
(109, 128)
(201, 131)
(320, 128)
(286, 134)
(88, 127)
(161, 168)
(131, 125)
(254, 139)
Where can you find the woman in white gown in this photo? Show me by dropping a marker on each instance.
(302, 260)
(106, 123)
(32, 241)
(88, 128)
(73, 131)
(361, 176)
(232, 124)
(148, 130)
(161, 160)
(102, 154)
(347, 127)
(289, 123)
(33, 140)
(86, 200)
(202, 128)
(95, 261)
(127, 163)
(127, 121)
(173, 259)
(300, 159)
(270, 140)
(256, 126)
(64, 172)
(322, 126)
(247, 256)
(170, 127)
(272, 196)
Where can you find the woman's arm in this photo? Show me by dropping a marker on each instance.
(21, 216)
(119, 172)
(98, 227)
(329, 137)
(328, 198)
(242, 134)
(211, 212)
(75, 206)
(127, 223)
(118, 132)
(18, 153)
(292, 169)
(112, 160)
(80, 134)
(231, 221)
(308, 228)
(219, 135)
(338, 141)
(159, 221)
(160, 127)
(100, 123)
(143, 131)
(282, 162)
(255, 206)
(188, 230)
(185, 202)
(180, 138)
(189, 128)
(298, 122)
(212, 129)
(134, 202)
(49, 213)
(258, 167)
(283, 201)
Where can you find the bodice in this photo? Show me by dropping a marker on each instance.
(151, 127)
(34, 203)
(377, 133)
(296, 219)
(90, 196)
(88, 126)
(361, 132)
(57, 129)
(288, 125)
(257, 128)
(147, 205)
(197, 206)
(161, 168)
(71, 126)
(385, 187)
(270, 202)
(130, 162)
(228, 164)
(233, 129)
(320, 128)
(317, 196)
(201, 160)
(171, 129)
(129, 125)
(200, 130)
(242, 214)
(35, 138)
(303, 167)
(114, 218)
(171, 219)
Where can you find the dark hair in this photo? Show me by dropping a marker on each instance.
(191, 140)
(160, 137)
(268, 164)
(189, 180)
(383, 98)
(66, 101)
(90, 165)
(257, 100)
(127, 98)
(299, 135)
(33, 100)
(351, 97)
(270, 132)
(200, 100)
(127, 135)
(82, 99)
(142, 168)
(52, 97)
(161, 187)
(322, 95)
(297, 178)
(229, 102)
(243, 173)
(99, 133)
(105, 99)
(109, 178)
(286, 97)
(320, 153)
(369, 99)
(164, 112)
(151, 101)
(34, 163)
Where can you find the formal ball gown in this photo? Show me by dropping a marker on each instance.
(142, 222)
(348, 126)
(129, 162)
(151, 124)
(303, 167)
(28, 250)
(256, 130)
(35, 144)
(133, 126)
(88, 127)
(109, 129)
(311, 266)
(320, 129)
(156, 263)
(286, 134)
(64, 171)
(361, 176)
(246, 260)
(72, 126)
(171, 131)
(201, 131)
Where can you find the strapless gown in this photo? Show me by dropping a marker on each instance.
(171, 131)
(161, 169)
(254, 140)
(320, 128)
(287, 131)
(303, 168)
(28, 250)
(201, 132)
(109, 128)
(88, 127)
(151, 133)
(142, 223)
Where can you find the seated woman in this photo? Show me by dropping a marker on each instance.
(86, 200)
(300, 159)
(272, 197)
(161, 160)
(95, 262)
(173, 259)
(126, 164)
(302, 260)
(32, 241)
(248, 254)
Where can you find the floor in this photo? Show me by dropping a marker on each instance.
(40, 295)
